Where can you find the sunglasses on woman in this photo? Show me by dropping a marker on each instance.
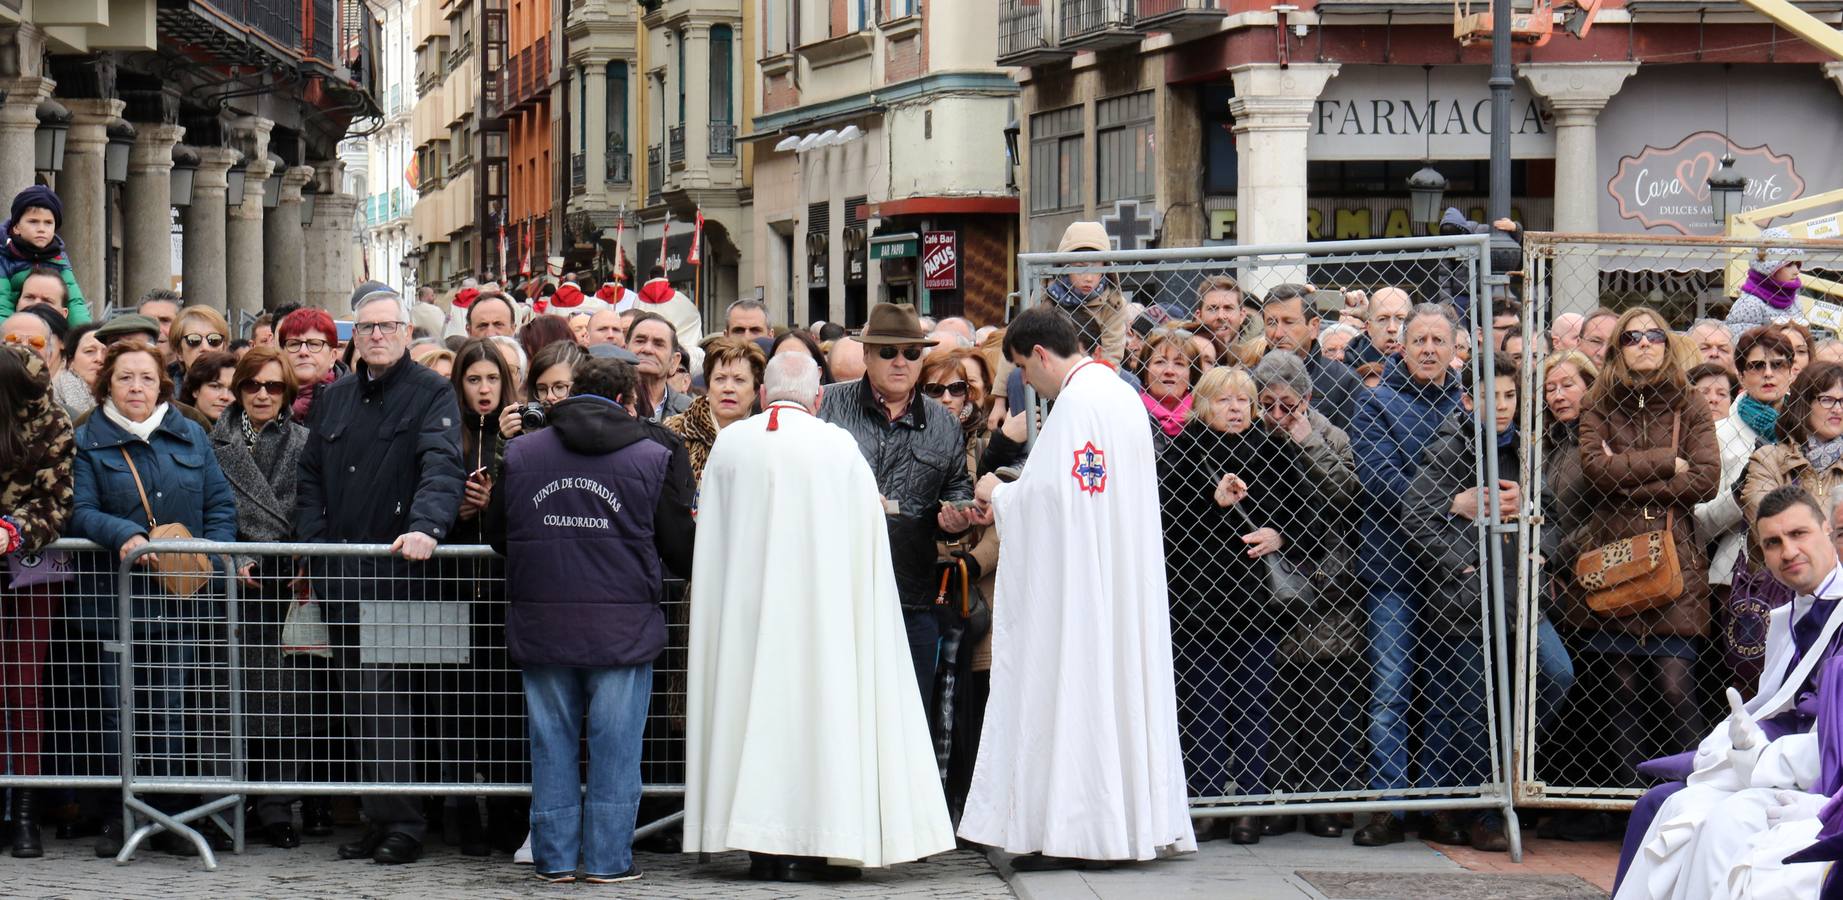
(909, 353)
(1763, 365)
(34, 341)
(214, 339)
(935, 389)
(252, 386)
(1634, 338)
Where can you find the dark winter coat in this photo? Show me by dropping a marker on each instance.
(262, 478)
(919, 461)
(1336, 389)
(1446, 545)
(35, 494)
(383, 458)
(1636, 485)
(1213, 582)
(601, 496)
(1393, 425)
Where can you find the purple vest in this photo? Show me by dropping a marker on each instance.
(583, 577)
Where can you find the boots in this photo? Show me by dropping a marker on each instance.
(26, 842)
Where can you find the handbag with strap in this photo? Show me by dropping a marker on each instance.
(1635, 574)
(1289, 583)
(181, 574)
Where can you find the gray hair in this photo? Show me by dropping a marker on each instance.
(793, 377)
(745, 303)
(396, 300)
(1337, 328)
(1285, 369)
(1711, 323)
(510, 341)
(1442, 311)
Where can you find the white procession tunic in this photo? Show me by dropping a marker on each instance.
(1079, 756)
(804, 731)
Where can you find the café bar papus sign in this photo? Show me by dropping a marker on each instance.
(1666, 188)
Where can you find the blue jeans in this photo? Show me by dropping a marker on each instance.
(566, 826)
(1554, 674)
(1390, 630)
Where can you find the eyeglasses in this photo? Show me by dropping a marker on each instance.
(560, 390)
(194, 340)
(34, 341)
(1764, 365)
(1634, 338)
(378, 329)
(909, 353)
(1278, 408)
(297, 345)
(935, 390)
(252, 386)
(1830, 402)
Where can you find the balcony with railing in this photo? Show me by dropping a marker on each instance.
(1169, 15)
(1098, 24)
(579, 172)
(1027, 33)
(675, 139)
(620, 167)
(655, 172)
(722, 140)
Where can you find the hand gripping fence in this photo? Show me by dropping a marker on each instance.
(332, 670)
(1384, 686)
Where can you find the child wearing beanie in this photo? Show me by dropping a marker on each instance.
(31, 239)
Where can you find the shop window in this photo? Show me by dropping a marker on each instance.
(616, 113)
(1056, 160)
(1125, 148)
(1219, 159)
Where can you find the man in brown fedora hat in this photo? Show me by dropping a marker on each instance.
(916, 448)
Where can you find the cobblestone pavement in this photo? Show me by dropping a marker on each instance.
(70, 870)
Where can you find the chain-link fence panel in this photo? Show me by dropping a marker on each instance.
(313, 670)
(1330, 480)
(1640, 352)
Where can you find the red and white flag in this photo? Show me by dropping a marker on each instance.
(620, 252)
(697, 239)
(527, 263)
(663, 236)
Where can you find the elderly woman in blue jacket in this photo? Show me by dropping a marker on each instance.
(174, 460)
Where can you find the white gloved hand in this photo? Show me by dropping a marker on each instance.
(1744, 736)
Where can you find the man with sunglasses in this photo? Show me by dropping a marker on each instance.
(918, 453)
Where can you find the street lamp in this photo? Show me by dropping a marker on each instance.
(185, 165)
(272, 192)
(1426, 195)
(234, 182)
(308, 191)
(53, 128)
(1726, 187)
(115, 156)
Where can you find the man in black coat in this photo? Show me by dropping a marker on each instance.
(382, 465)
(1292, 324)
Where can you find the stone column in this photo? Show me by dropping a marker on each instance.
(19, 114)
(697, 106)
(1834, 72)
(243, 242)
(1576, 92)
(329, 249)
(203, 275)
(283, 247)
(85, 193)
(147, 211)
(1273, 113)
(593, 122)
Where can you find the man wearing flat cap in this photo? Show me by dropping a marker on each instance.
(918, 453)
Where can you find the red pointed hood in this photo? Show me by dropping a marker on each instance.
(658, 290)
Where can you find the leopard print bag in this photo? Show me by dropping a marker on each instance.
(1635, 574)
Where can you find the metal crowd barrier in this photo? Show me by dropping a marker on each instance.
(333, 670)
(1380, 693)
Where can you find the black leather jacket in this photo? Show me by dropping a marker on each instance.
(919, 461)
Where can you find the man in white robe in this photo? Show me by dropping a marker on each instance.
(1079, 759)
(805, 737)
(1755, 772)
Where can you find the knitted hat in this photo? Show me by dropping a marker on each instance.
(1766, 262)
(40, 197)
(1084, 236)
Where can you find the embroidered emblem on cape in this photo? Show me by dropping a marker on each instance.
(1090, 470)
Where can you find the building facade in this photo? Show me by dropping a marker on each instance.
(246, 106)
(459, 167)
(1228, 121)
(601, 97)
(385, 204)
(880, 168)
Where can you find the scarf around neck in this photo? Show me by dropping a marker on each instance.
(1170, 421)
(1777, 294)
(1763, 419)
(142, 430)
(1824, 454)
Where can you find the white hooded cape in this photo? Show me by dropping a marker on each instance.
(804, 732)
(1704, 832)
(1079, 756)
